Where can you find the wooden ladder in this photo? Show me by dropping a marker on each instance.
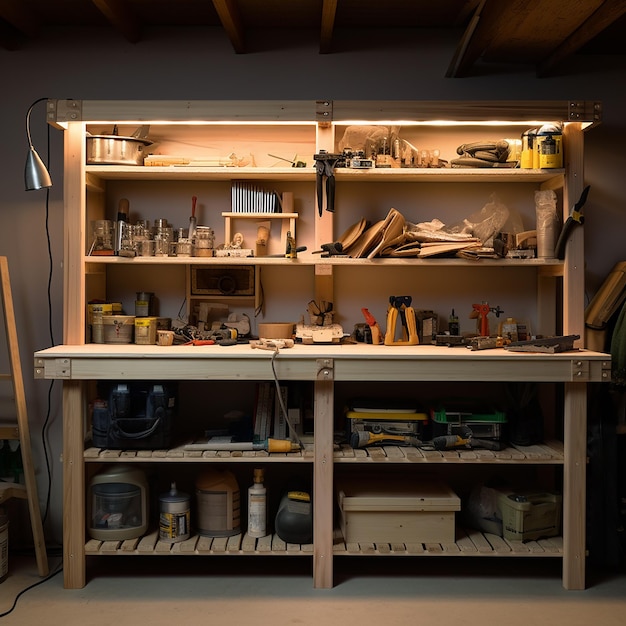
(20, 431)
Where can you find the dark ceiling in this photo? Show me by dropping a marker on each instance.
(544, 34)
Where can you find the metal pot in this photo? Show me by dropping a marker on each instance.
(116, 150)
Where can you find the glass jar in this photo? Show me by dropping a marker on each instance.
(204, 241)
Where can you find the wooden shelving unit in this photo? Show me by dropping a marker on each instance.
(324, 367)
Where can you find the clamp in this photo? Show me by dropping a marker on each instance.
(401, 306)
(332, 249)
(325, 163)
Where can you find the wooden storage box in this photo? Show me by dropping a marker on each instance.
(393, 511)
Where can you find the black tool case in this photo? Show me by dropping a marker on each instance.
(135, 415)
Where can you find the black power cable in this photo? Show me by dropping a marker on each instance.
(39, 582)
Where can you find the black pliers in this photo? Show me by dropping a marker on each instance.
(325, 163)
(575, 218)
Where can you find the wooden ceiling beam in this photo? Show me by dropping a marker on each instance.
(602, 18)
(329, 10)
(121, 18)
(468, 49)
(13, 13)
(17, 24)
(228, 12)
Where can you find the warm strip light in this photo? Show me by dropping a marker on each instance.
(434, 123)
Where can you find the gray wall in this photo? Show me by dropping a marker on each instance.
(200, 65)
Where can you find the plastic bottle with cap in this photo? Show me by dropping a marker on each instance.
(257, 506)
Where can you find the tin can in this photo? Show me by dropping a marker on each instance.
(174, 515)
(145, 330)
(143, 303)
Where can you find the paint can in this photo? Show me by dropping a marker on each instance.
(174, 515)
(218, 503)
(144, 303)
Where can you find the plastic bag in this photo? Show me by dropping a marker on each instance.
(369, 139)
(485, 223)
(547, 222)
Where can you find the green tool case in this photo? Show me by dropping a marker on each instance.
(455, 420)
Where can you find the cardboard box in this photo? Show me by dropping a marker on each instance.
(394, 511)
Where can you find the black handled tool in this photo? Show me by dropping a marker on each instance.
(575, 218)
(325, 163)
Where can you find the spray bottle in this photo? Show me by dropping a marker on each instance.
(257, 506)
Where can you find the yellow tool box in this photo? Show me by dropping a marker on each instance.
(386, 416)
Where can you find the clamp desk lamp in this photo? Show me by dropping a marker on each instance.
(36, 175)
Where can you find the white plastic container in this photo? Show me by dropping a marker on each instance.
(257, 506)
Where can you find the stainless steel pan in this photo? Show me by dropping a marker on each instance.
(117, 150)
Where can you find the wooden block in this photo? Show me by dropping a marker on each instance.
(234, 543)
(93, 546)
(147, 542)
(264, 544)
(478, 539)
(498, 543)
(278, 545)
(187, 546)
(204, 544)
(219, 544)
(110, 546)
(248, 543)
(414, 548)
(130, 545)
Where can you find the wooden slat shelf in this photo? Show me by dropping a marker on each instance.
(198, 545)
(545, 454)
(468, 542)
(179, 454)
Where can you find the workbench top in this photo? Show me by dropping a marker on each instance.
(311, 362)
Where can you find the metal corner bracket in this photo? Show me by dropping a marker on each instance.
(61, 111)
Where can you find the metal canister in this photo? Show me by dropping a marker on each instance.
(143, 303)
(174, 515)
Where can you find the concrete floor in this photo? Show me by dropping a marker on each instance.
(278, 591)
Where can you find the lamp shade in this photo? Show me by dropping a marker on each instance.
(36, 174)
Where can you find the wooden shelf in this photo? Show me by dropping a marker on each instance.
(551, 267)
(380, 175)
(468, 542)
(241, 544)
(549, 453)
(545, 454)
(180, 455)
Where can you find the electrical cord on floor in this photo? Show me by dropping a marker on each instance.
(39, 582)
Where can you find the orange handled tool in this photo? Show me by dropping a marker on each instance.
(377, 335)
